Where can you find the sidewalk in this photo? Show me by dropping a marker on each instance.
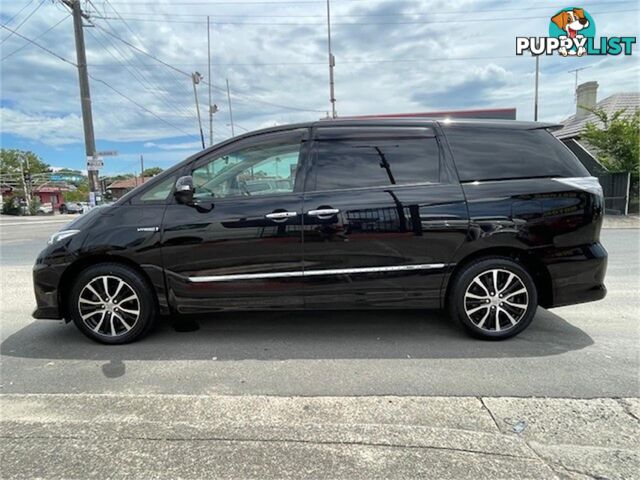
(621, 221)
(163, 436)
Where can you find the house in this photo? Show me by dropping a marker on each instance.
(490, 113)
(6, 190)
(586, 100)
(615, 185)
(50, 194)
(120, 187)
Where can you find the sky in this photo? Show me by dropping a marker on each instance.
(392, 56)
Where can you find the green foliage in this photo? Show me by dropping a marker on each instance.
(11, 160)
(11, 206)
(14, 205)
(81, 194)
(151, 172)
(618, 142)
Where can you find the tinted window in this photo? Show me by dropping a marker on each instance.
(391, 158)
(264, 169)
(160, 191)
(496, 153)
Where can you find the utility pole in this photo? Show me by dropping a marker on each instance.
(332, 64)
(142, 167)
(85, 94)
(535, 102)
(211, 112)
(233, 133)
(196, 77)
(27, 193)
(575, 88)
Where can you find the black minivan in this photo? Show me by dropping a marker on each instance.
(488, 219)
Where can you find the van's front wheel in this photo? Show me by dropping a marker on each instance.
(494, 298)
(111, 303)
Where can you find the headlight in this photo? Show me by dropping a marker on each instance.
(62, 234)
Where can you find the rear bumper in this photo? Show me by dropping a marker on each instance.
(577, 275)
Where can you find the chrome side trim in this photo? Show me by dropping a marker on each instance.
(315, 273)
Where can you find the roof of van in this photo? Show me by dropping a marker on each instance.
(404, 121)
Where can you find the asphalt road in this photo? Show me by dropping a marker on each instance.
(581, 351)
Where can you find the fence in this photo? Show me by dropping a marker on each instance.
(615, 187)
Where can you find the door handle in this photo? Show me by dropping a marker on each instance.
(323, 212)
(280, 216)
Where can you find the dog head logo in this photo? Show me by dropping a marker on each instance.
(572, 33)
(575, 24)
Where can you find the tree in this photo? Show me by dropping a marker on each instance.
(151, 172)
(13, 161)
(617, 142)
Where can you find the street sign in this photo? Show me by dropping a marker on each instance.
(107, 153)
(93, 165)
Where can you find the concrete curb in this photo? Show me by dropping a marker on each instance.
(169, 436)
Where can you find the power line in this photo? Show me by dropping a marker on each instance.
(65, 60)
(105, 83)
(268, 3)
(343, 62)
(187, 74)
(51, 52)
(17, 27)
(356, 15)
(37, 38)
(140, 77)
(19, 12)
(323, 24)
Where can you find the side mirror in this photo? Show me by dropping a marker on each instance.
(184, 190)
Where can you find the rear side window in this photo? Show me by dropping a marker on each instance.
(497, 153)
(356, 159)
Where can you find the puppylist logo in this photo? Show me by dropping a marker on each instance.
(572, 32)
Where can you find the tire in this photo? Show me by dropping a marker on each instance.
(493, 317)
(115, 320)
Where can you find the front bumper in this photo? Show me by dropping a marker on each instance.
(46, 281)
(578, 275)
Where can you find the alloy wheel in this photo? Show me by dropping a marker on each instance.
(496, 300)
(109, 306)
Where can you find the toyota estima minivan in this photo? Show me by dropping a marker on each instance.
(488, 219)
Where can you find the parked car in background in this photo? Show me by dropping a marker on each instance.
(71, 207)
(487, 219)
(45, 209)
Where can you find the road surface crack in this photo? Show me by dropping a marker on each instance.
(627, 408)
(271, 440)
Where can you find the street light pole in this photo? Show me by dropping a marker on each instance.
(332, 64)
(210, 80)
(535, 102)
(196, 77)
(233, 132)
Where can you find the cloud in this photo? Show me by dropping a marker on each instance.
(174, 146)
(391, 57)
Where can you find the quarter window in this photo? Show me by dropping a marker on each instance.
(386, 159)
(265, 169)
(497, 153)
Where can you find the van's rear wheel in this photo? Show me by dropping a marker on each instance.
(494, 298)
(112, 303)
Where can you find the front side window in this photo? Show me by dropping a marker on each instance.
(159, 191)
(371, 161)
(265, 169)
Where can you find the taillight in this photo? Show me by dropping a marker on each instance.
(588, 184)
